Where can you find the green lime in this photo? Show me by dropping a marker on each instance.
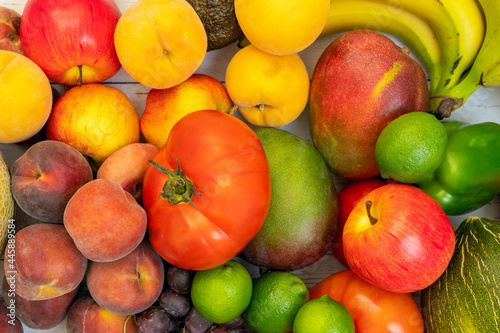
(276, 298)
(222, 293)
(411, 147)
(323, 314)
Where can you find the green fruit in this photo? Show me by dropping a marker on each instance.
(276, 299)
(219, 19)
(303, 216)
(465, 297)
(411, 147)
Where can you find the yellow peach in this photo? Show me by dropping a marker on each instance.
(160, 43)
(25, 97)
(268, 90)
(282, 27)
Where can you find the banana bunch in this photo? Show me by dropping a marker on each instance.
(455, 40)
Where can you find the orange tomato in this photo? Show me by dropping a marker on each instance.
(374, 310)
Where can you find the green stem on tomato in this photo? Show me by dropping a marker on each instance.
(178, 188)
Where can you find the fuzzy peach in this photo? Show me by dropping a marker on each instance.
(128, 285)
(47, 263)
(86, 316)
(46, 176)
(104, 220)
(39, 315)
(128, 165)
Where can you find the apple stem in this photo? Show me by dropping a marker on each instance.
(178, 188)
(233, 110)
(368, 207)
(80, 77)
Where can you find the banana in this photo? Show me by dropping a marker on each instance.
(468, 18)
(396, 21)
(485, 70)
(441, 22)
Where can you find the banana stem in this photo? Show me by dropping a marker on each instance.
(442, 104)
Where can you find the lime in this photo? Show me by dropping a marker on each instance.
(323, 314)
(411, 147)
(276, 298)
(222, 293)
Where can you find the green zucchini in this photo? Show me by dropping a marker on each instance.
(466, 298)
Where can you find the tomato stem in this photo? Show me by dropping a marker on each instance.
(368, 207)
(178, 188)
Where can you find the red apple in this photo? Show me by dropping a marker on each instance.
(71, 41)
(398, 238)
(348, 197)
(10, 21)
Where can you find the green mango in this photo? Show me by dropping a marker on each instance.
(303, 215)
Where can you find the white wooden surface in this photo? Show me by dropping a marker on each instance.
(484, 105)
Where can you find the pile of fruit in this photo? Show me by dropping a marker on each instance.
(148, 220)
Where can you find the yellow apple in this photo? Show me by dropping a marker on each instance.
(268, 90)
(96, 119)
(25, 97)
(282, 27)
(160, 43)
(164, 107)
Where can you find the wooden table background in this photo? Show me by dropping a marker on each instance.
(483, 105)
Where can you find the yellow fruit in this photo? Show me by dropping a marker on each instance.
(222, 293)
(276, 298)
(411, 147)
(6, 203)
(25, 97)
(160, 43)
(269, 90)
(282, 27)
(323, 314)
(96, 119)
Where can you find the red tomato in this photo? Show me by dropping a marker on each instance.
(374, 310)
(226, 168)
(348, 197)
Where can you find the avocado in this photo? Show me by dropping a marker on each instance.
(219, 20)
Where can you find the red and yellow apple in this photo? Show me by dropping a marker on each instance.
(71, 41)
(269, 90)
(86, 316)
(127, 166)
(129, 285)
(46, 176)
(47, 263)
(160, 43)
(96, 119)
(105, 221)
(25, 98)
(164, 107)
(39, 315)
(361, 82)
(398, 238)
(10, 21)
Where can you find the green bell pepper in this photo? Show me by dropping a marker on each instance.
(469, 175)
